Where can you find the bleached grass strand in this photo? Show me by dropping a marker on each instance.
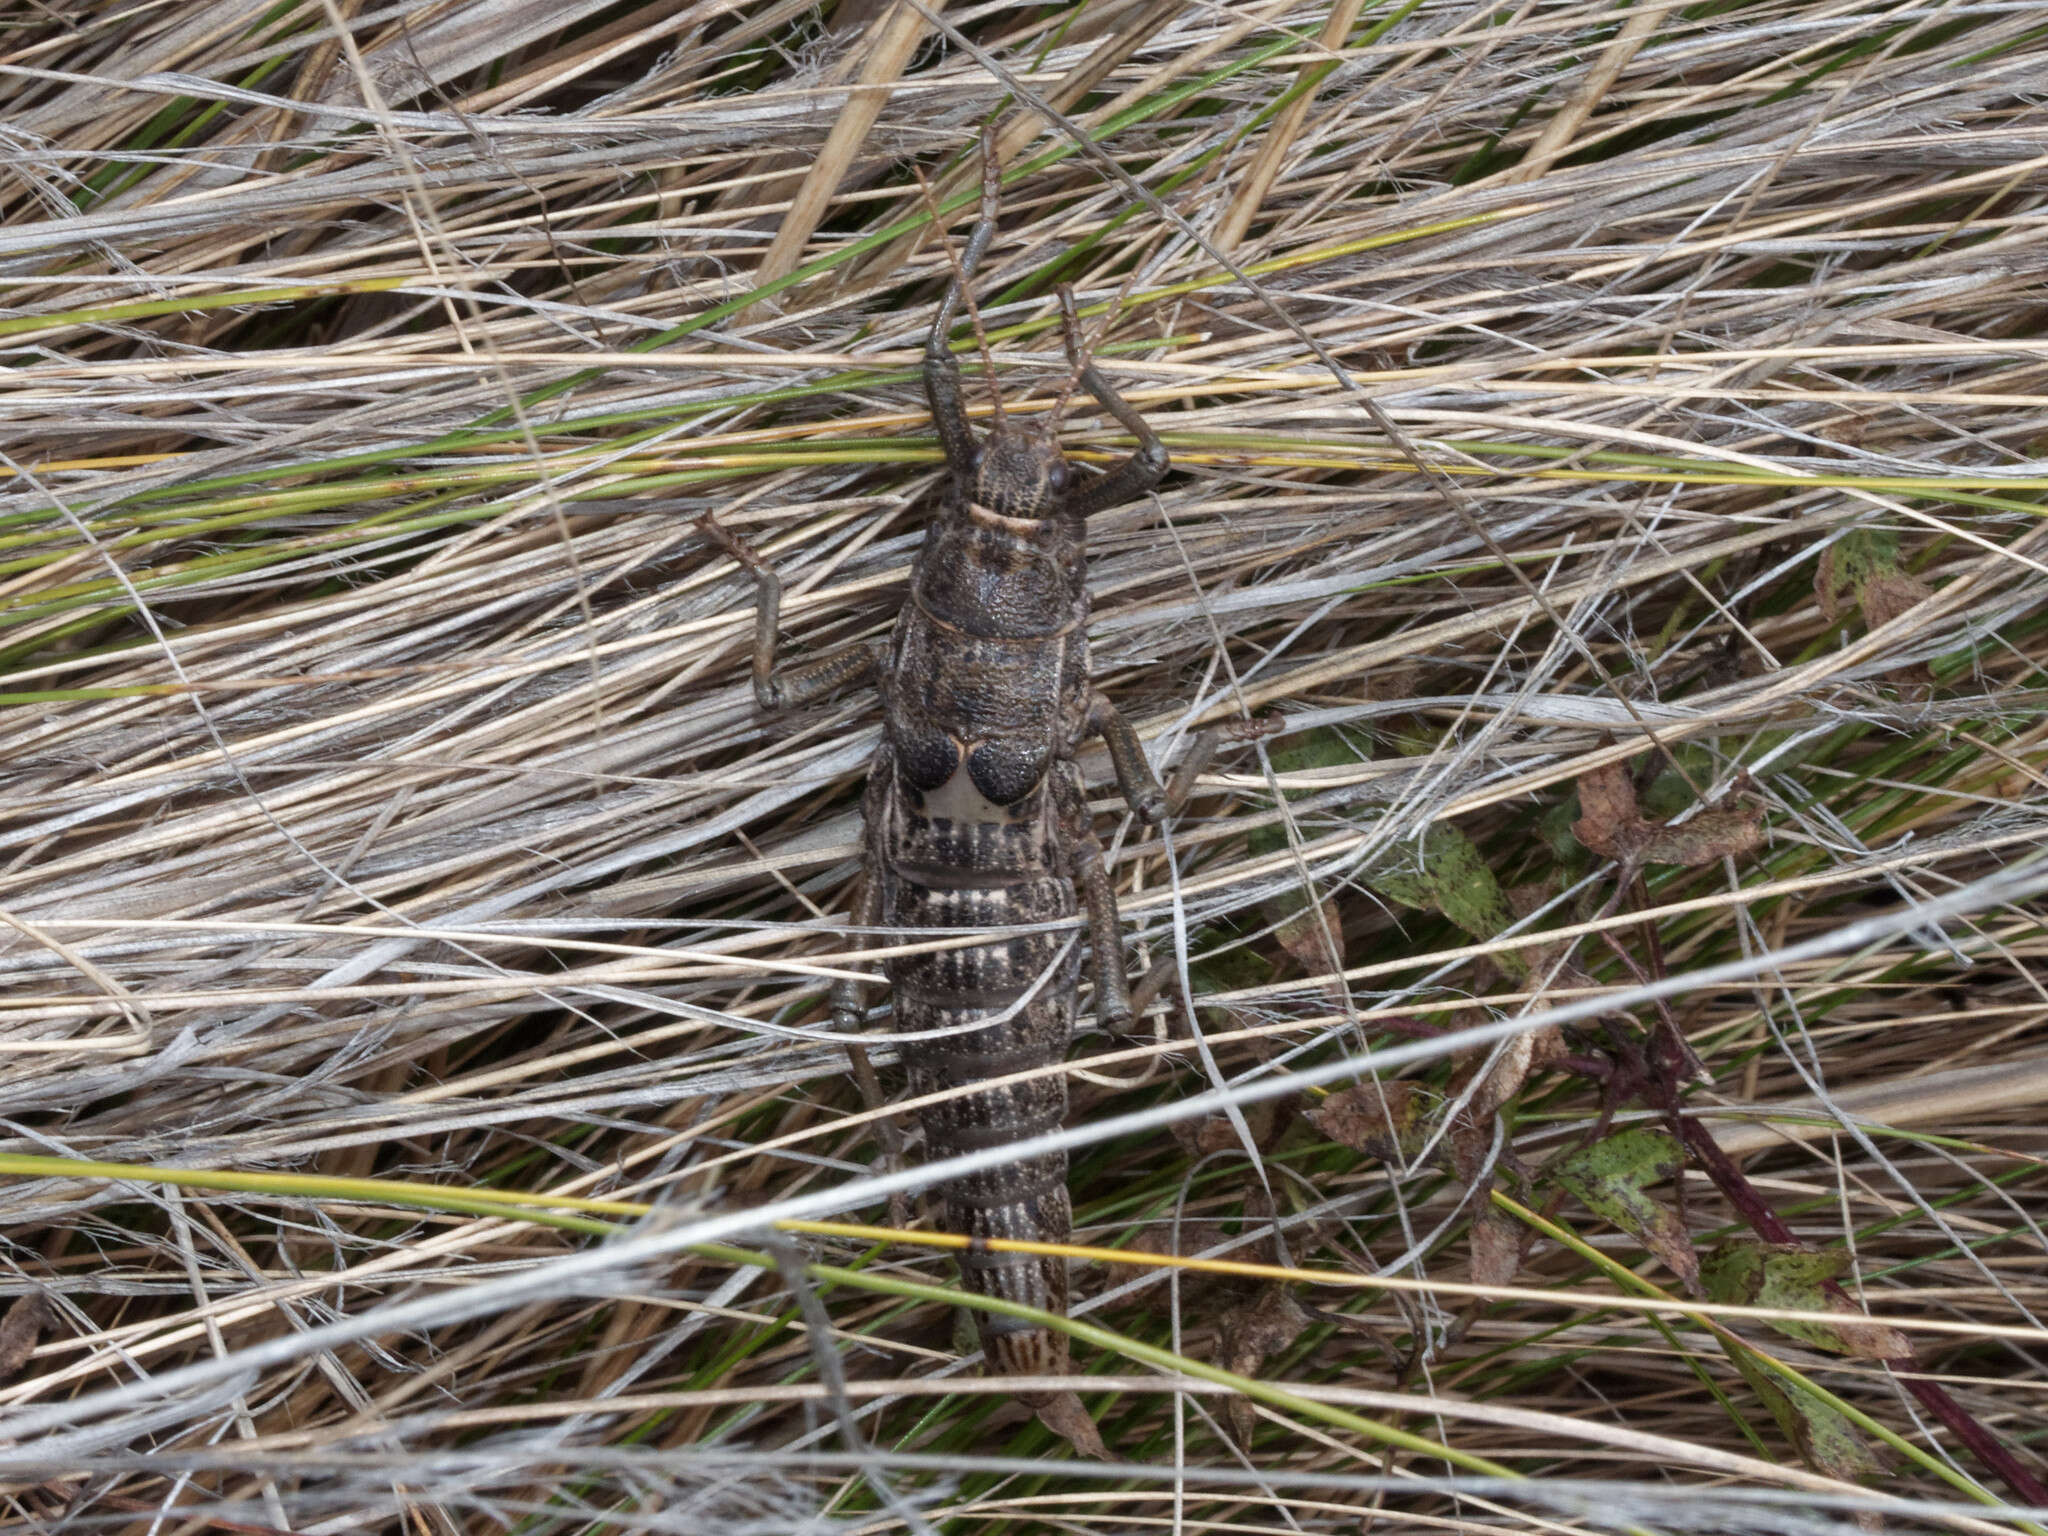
(1791, 243)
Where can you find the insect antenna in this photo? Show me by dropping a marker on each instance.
(1079, 356)
(991, 183)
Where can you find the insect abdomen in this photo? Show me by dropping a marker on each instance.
(1028, 977)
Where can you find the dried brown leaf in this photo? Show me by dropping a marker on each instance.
(1217, 1133)
(1062, 1413)
(1865, 1339)
(1827, 583)
(1307, 937)
(1251, 1332)
(1211, 1133)
(20, 1331)
(1496, 1247)
(1512, 1062)
(1607, 809)
(1705, 839)
(1884, 597)
(1611, 826)
(1468, 1143)
(1389, 1121)
(1190, 1238)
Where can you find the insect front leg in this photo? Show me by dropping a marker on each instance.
(786, 689)
(941, 368)
(1098, 899)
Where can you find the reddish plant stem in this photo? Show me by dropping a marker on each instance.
(1735, 1188)
(1932, 1395)
(1661, 1088)
(1983, 1444)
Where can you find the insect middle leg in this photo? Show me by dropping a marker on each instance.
(790, 686)
(1134, 775)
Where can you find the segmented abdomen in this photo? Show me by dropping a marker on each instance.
(1019, 990)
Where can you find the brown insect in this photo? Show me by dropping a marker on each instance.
(976, 815)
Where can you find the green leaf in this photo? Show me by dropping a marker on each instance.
(1323, 747)
(1749, 1272)
(1446, 875)
(1305, 930)
(1612, 1179)
(1219, 962)
(1826, 1441)
(1555, 828)
(1671, 791)
(1227, 967)
(1851, 563)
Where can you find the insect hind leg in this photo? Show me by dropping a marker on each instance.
(849, 996)
(848, 1001)
(1098, 898)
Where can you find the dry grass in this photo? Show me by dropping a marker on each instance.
(386, 798)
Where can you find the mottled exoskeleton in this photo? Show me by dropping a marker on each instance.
(976, 815)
